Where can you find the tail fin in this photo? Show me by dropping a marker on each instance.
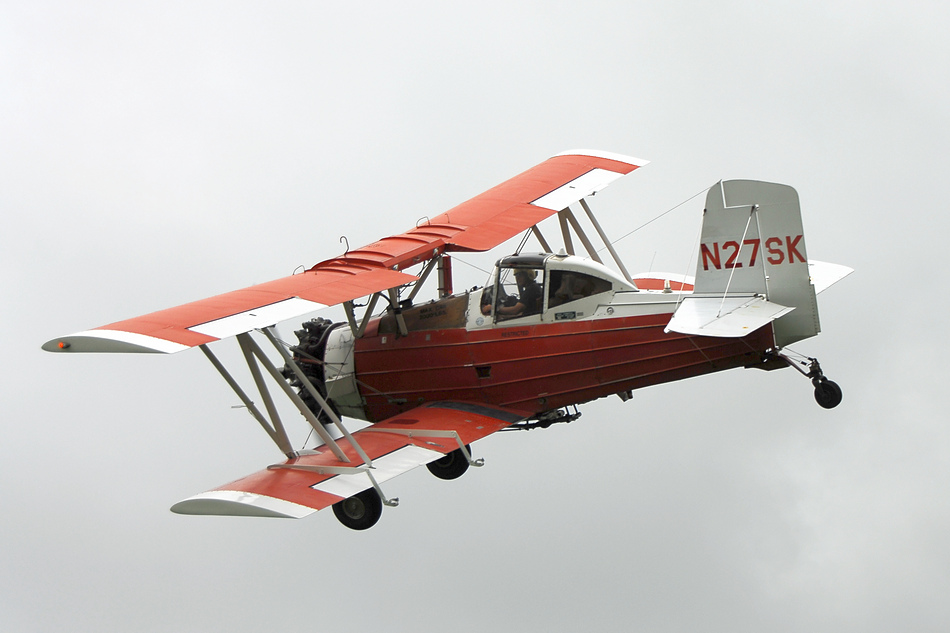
(753, 243)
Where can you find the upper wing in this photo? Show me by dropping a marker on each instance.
(301, 486)
(207, 320)
(477, 225)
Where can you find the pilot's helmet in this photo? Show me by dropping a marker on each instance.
(529, 273)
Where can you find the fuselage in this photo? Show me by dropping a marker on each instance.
(573, 349)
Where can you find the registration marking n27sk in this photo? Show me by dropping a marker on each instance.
(778, 251)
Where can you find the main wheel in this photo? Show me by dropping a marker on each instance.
(361, 511)
(828, 394)
(452, 466)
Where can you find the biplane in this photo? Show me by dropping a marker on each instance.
(550, 331)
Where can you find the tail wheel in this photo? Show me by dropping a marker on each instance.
(452, 466)
(827, 394)
(361, 511)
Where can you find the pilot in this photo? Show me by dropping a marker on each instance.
(529, 297)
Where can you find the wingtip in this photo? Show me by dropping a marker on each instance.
(111, 341)
(630, 160)
(240, 503)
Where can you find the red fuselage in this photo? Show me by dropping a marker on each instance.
(538, 367)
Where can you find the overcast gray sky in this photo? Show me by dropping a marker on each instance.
(157, 153)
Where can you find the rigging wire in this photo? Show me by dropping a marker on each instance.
(689, 266)
(524, 241)
(626, 235)
(733, 271)
(479, 268)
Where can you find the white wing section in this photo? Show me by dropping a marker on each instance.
(581, 187)
(384, 469)
(237, 503)
(732, 317)
(257, 317)
(113, 341)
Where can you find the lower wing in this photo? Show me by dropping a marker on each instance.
(298, 487)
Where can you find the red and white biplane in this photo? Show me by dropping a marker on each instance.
(552, 331)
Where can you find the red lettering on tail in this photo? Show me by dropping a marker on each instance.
(792, 250)
(755, 249)
(731, 262)
(709, 257)
(779, 252)
(776, 255)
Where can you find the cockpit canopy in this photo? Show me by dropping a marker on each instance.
(532, 284)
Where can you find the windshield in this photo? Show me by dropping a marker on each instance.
(519, 290)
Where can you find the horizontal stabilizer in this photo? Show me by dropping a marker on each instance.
(731, 317)
(824, 275)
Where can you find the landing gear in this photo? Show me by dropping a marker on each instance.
(827, 393)
(452, 466)
(361, 511)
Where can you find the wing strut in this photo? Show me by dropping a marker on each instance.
(603, 236)
(568, 221)
(316, 396)
(544, 242)
(400, 319)
(565, 232)
(248, 345)
(582, 235)
(432, 263)
(255, 357)
(367, 315)
(276, 432)
(358, 329)
(445, 276)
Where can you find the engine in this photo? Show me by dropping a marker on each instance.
(324, 353)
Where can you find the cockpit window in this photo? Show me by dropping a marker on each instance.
(567, 286)
(520, 293)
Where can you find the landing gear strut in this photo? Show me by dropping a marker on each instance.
(827, 392)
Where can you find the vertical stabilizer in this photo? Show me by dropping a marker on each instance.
(752, 242)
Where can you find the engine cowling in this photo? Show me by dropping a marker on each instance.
(325, 355)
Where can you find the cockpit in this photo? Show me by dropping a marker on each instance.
(546, 287)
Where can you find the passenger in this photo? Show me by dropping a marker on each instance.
(572, 286)
(529, 299)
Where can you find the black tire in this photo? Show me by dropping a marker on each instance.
(828, 394)
(452, 466)
(361, 511)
